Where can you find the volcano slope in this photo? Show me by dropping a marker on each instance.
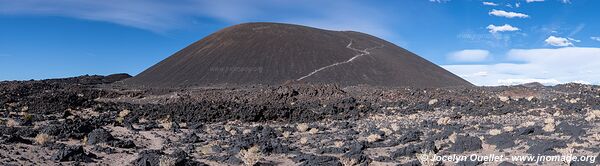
(273, 54)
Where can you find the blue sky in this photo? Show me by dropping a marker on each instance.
(490, 42)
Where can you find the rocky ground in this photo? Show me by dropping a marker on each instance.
(89, 121)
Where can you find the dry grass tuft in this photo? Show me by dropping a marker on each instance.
(412, 117)
(228, 128)
(205, 150)
(550, 125)
(120, 120)
(246, 131)
(592, 115)
(549, 120)
(302, 127)
(387, 131)
(395, 127)
(452, 138)
(12, 123)
(42, 139)
(313, 131)
(508, 128)
(443, 121)
(503, 98)
(346, 161)
(529, 98)
(250, 156)
(528, 124)
(374, 138)
(124, 113)
(233, 132)
(573, 101)
(27, 117)
(167, 161)
(432, 101)
(303, 140)
(166, 123)
(286, 134)
(121, 117)
(495, 132)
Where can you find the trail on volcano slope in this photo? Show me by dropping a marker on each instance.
(349, 46)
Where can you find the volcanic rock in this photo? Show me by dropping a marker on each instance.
(99, 136)
(308, 159)
(72, 153)
(466, 143)
(15, 139)
(148, 158)
(274, 54)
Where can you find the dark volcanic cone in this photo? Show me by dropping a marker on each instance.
(273, 53)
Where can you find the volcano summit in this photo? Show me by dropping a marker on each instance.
(274, 53)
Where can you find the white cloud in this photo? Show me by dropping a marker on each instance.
(565, 1)
(503, 28)
(502, 13)
(490, 4)
(529, 1)
(558, 41)
(469, 56)
(595, 38)
(547, 66)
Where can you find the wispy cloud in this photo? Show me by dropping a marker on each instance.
(574, 40)
(474, 55)
(439, 1)
(151, 15)
(529, 1)
(577, 29)
(562, 1)
(502, 13)
(161, 16)
(490, 4)
(595, 38)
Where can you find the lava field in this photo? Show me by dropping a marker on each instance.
(97, 120)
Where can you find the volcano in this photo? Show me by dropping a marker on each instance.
(275, 53)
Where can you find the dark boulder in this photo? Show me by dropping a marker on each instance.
(465, 144)
(73, 153)
(99, 136)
